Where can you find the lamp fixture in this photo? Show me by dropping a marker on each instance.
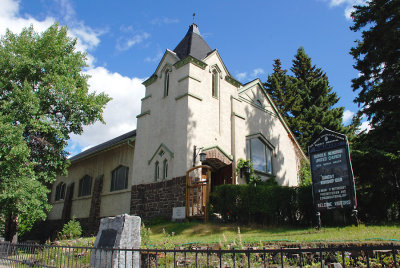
(196, 152)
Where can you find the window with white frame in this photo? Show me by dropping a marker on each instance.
(156, 171)
(260, 154)
(166, 83)
(60, 191)
(214, 82)
(119, 178)
(165, 169)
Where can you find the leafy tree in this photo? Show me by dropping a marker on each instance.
(44, 98)
(377, 55)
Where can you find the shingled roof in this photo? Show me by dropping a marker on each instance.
(105, 145)
(193, 45)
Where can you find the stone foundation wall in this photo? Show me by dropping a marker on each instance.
(157, 199)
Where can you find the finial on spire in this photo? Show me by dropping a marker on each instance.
(194, 14)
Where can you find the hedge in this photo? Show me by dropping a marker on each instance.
(263, 204)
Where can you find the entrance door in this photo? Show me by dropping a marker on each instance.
(198, 181)
(222, 176)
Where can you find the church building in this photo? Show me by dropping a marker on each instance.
(192, 106)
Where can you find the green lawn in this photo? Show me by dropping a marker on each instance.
(176, 234)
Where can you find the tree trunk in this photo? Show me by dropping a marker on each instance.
(11, 229)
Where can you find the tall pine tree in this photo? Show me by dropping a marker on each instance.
(377, 153)
(305, 99)
(317, 101)
(283, 92)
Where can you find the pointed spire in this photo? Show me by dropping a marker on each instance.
(193, 44)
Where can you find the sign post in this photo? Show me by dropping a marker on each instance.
(332, 175)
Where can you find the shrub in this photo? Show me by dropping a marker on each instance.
(72, 229)
(266, 204)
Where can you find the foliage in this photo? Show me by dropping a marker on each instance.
(305, 99)
(282, 89)
(266, 204)
(44, 96)
(72, 229)
(305, 173)
(376, 154)
(251, 177)
(145, 235)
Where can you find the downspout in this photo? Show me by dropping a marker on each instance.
(233, 148)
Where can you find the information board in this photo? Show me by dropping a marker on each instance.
(332, 174)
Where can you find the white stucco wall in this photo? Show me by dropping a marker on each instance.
(206, 121)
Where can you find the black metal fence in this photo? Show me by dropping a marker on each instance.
(34, 255)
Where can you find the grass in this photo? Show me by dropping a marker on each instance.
(175, 234)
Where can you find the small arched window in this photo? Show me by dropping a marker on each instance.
(85, 186)
(165, 169)
(119, 178)
(166, 83)
(60, 191)
(156, 171)
(214, 83)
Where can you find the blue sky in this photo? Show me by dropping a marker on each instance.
(126, 39)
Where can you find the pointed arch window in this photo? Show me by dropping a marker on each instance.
(214, 82)
(119, 178)
(166, 83)
(165, 169)
(156, 171)
(85, 186)
(60, 191)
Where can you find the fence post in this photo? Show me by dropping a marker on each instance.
(301, 257)
(343, 258)
(282, 257)
(394, 256)
(321, 257)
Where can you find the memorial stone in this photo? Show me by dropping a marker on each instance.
(123, 232)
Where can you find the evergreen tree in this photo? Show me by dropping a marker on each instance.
(306, 99)
(283, 92)
(317, 101)
(377, 55)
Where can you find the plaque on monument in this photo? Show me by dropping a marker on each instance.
(331, 171)
(107, 238)
(119, 232)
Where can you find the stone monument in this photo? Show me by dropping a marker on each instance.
(122, 232)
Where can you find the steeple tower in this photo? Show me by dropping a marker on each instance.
(193, 44)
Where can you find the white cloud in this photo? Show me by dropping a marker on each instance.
(10, 18)
(134, 40)
(348, 4)
(347, 116)
(365, 126)
(120, 113)
(163, 20)
(256, 72)
(156, 58)
(241, 76)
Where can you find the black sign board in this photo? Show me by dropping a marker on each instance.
(107, 238)
(332, 174)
